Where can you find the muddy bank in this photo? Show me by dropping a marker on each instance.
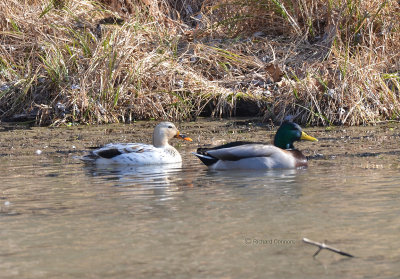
(336, 143)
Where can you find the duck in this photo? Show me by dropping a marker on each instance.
(158, 153)
(258, 155)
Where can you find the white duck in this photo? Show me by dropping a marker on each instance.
(160, 152)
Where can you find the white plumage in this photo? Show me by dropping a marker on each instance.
(161, 152)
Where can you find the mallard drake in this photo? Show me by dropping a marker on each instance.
(255, 155)
(160, 152)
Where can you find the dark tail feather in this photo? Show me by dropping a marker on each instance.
(207, 160)
(89, 158)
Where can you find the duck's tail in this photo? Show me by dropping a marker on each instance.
(207, 160)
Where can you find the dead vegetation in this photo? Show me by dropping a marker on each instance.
(322, 62)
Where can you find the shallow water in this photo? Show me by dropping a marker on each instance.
(62, 219)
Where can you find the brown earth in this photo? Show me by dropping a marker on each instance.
(341, 143)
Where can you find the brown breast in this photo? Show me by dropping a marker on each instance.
(301, 160)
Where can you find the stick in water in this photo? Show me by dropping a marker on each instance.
(324, 246)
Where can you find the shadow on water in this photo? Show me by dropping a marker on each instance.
(131, 173)
(162, 175)
(157, 180)
(169, 179)
(278, 181)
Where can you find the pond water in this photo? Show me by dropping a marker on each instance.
(62, 219)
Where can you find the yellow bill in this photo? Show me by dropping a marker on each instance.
(304, 136)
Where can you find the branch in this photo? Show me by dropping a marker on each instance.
(324, 246)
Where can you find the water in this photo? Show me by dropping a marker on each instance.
(62, 219)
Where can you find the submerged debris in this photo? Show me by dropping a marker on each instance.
(324, 246)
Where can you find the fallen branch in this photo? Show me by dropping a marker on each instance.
(324, 246)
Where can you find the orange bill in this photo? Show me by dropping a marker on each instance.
(179, 136)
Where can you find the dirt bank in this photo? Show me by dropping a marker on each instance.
(336, 143)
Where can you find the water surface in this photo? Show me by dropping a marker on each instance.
(63, 219)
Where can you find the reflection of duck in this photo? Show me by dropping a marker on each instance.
(157, 182)
(250, 155)
(123, 171)
(160, 152)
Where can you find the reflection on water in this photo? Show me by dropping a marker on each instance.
(136, 172)
(64, 219)
(157, 180)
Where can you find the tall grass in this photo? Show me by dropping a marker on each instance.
(324, 62)
(340, 58)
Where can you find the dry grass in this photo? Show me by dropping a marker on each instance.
(323, 62)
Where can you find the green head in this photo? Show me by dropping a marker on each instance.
(288, 133)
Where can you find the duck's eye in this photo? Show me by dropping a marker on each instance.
(170, 127)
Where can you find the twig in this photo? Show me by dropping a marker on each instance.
(324, 246)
